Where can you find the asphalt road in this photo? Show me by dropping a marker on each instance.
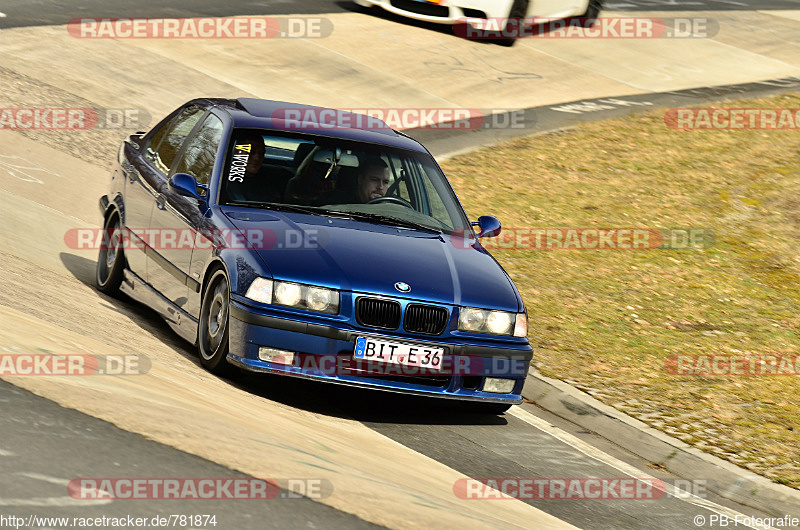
(44, 447)
(51, 12)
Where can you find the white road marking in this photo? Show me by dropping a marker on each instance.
(3, 452)
(23, 172)
(619, 465)
(46, 478)
(2, 15)
(53, 501)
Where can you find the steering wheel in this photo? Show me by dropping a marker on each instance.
(392, 199)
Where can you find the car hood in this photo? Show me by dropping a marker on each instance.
(371, 258)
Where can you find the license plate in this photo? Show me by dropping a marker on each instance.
(391, 352)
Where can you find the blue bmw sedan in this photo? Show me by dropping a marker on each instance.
(315, 243)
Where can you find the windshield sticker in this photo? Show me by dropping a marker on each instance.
(239, 165)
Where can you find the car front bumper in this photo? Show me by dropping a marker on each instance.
(455, 9)
(452, 11)
(324, 352)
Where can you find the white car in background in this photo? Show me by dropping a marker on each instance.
(454, 11)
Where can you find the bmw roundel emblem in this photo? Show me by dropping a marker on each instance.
(402, 287)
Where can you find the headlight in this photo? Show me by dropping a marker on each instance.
(260, 291)
(498, 322)
(287, 294)
(296, 295)
(318, 299)
(472, 319)
(494, 322)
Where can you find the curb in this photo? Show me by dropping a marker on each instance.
(446, 142)
(729, 480)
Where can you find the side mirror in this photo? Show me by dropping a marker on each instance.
(185, 185)
(488, 226)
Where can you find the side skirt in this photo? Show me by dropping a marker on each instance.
(179, 320)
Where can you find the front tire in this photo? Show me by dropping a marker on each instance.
(519, 10)
(212, 340)
(593, 9)
(111, 260)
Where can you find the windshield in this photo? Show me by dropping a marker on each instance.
(328, 176)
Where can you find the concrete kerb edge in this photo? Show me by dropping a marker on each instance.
(447, 143)
(728, 480)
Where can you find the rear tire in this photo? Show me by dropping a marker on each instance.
(111, 260)
(212, 330)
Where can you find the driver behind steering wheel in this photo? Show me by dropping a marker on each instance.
(372, 183)
(373, 179)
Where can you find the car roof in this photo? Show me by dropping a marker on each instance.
(267, 114)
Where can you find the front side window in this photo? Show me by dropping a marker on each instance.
(164, 148)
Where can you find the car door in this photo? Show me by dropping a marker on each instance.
(175, 217)
(154, 166)
(141, 188)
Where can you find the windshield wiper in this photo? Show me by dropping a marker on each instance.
(295, 208)
(385, 219)
(361, 216)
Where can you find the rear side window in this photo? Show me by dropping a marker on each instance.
(164, 148)
(201, 151)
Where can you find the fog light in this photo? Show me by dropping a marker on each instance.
(499, 386)
(271, 355)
